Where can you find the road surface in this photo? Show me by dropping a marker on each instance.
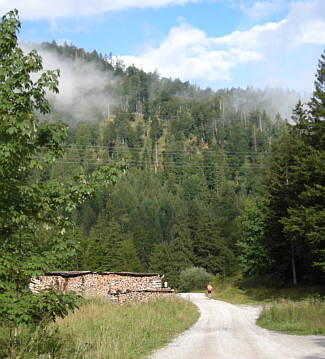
(226, 331)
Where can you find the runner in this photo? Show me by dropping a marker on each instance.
(209, 289)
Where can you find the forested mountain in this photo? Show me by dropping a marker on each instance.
(200, 169)
(194, 159)
(94, 81)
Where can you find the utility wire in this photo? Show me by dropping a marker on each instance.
(141, 149)
(151, 163)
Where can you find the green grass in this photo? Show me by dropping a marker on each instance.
(100, 329)
(292, 309)
(237, 291)
(302, 317)
(229, 291)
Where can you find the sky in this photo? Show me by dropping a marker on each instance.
(211, 43)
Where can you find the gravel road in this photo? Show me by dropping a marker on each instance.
(226, 331)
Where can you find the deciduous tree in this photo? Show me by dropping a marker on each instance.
(28, 208)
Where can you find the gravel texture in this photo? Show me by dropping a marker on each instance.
(227, 331)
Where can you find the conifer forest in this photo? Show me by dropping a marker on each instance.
(215, 179)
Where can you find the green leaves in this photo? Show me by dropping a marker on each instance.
(35, 213)
(254, 256)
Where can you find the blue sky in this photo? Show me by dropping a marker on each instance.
(216, 43)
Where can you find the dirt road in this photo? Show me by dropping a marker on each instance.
(226, 331)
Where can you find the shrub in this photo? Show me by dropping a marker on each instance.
(193, 278)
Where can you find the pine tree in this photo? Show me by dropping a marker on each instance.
(295, 192)
(306, 219)
(161, 262)
(278, 196)
(102, 252)
(128, 260)
(254, 257)
(317, 103)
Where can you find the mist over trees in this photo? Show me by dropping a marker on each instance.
(92, 81)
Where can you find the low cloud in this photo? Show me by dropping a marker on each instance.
(49, 9)
(83, 88)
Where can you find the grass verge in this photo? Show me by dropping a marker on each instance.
(237, 291)
(303, 317)
(100, 329)
(294, 310)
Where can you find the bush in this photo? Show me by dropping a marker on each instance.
(194, 278)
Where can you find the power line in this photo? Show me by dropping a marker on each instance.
(141, 149)
(139, 163)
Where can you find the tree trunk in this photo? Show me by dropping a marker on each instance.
(254, 139)
(293, 264)
(156, 159)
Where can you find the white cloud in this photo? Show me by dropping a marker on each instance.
(189, 53)
(264, 8)
(49, 9)
(306, 22)
(250, 39)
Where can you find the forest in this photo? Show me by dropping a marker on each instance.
(135, 172)
(212, 177)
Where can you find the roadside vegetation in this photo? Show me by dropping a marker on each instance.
(194, 279)
(295, 317)
(239, 290)
(295, 309)
(100, 329)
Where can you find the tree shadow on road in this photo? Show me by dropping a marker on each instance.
(320, 342)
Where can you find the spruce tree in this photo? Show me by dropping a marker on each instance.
(128, 260)
(295, 192)
(306, 219)
(254, 257)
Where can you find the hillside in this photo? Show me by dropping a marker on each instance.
(194, 157)
(198, 166)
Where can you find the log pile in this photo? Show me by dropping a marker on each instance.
(141, 295)
(120, 287)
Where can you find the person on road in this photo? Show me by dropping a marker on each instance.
(209, 289)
